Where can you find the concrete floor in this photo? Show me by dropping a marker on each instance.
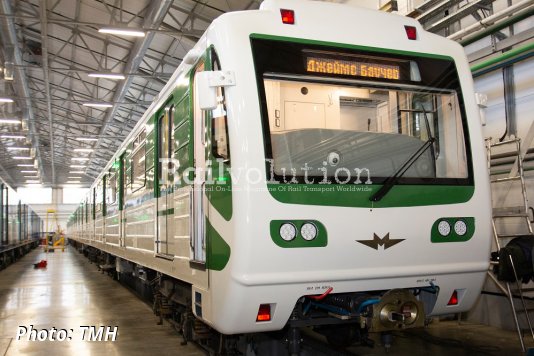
(71, 293)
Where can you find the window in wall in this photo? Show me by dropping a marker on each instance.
(35, 195)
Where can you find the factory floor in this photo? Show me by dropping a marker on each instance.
(71, 293)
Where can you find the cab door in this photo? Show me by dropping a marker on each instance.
(198, 194)
(165, 211)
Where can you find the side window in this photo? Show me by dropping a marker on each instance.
(165, 143)
(171, 132)
(128, 171)
(111, 189)
(219, 127)
(138, 173)
(99, 196)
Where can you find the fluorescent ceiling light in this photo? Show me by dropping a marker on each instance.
(6, 100)
(25, 165)
(28, 171)
(76, 172)
(75, 177)
(73, 182)
(108, 75)
(86, 139)
(77, 166)
(16, 137)
(20, 157)
(33, 181)
(18, 148)
(34, 177)
(10, 121)
(83, 150)
(122, 31)
(98, 105)
(80, 159)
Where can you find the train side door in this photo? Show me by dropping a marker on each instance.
(165, 214)
(198, 201)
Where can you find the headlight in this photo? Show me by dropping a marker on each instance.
(308, 231)
(288, 231)
(444, 228)
(460, 228)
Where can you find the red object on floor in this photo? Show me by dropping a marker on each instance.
(41, 264)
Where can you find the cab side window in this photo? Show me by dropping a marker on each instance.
(219, 127)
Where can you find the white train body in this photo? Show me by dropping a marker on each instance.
(364, 246)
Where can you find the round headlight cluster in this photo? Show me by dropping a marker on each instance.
(444, 228)
(288, 231)
(460, 228)
(308, 231)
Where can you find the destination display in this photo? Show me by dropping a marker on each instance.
(352, 68)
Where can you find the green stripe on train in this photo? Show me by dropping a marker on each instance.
(357, 195)
(218, 251)
(349, 46)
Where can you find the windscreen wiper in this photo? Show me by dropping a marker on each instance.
(394, 179)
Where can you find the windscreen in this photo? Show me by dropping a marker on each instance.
(340, 117)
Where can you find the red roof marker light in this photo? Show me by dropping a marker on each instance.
(454, 298)
(411, 32)
(288, 16)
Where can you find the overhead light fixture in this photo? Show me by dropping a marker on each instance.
(108, 75)
(18, 148)
(122, 31)
(76, 172)
(86, 139)
(73, 182)
(21, 157)
(98, 105)
(6, 100)
(80, 159)
(77, 166)
(25, 165)
(28, 171)
(10, 121)
(15, 137)
(34, 177)
(33, 181)
(83, 150)
(75, 177)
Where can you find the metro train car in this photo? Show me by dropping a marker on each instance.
(20, 226)
(292, 175)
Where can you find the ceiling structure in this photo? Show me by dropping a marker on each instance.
(49, 49)
(53, 45)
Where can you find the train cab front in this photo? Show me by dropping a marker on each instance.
(358, 195)
(369, 188)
